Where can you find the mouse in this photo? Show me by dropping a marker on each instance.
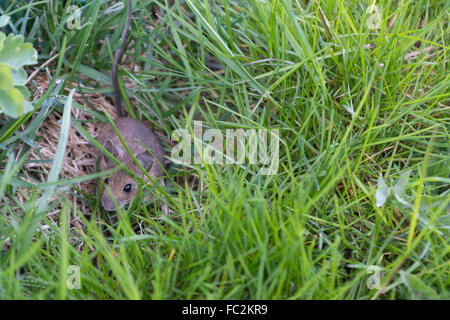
(137, 136)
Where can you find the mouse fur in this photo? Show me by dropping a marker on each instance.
(124, 187)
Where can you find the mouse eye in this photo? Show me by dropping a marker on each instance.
(106, 180)
(127, 188)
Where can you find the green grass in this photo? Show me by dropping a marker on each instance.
(352, 104)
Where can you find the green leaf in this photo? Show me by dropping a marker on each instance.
(4, 21)
(27, 106)
(19, 77)
(16, 53)
(23, 90)
(11, 99)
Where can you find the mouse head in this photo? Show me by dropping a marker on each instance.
(124, 187)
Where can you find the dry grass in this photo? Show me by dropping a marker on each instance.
(79, 155)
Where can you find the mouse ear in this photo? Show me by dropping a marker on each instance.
(111, 148)
(146, 159)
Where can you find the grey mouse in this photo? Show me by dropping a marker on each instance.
(136, 135)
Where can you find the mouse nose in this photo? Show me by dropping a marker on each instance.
(109, 208)
(107, 204)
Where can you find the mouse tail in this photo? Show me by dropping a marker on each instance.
(117, 56)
